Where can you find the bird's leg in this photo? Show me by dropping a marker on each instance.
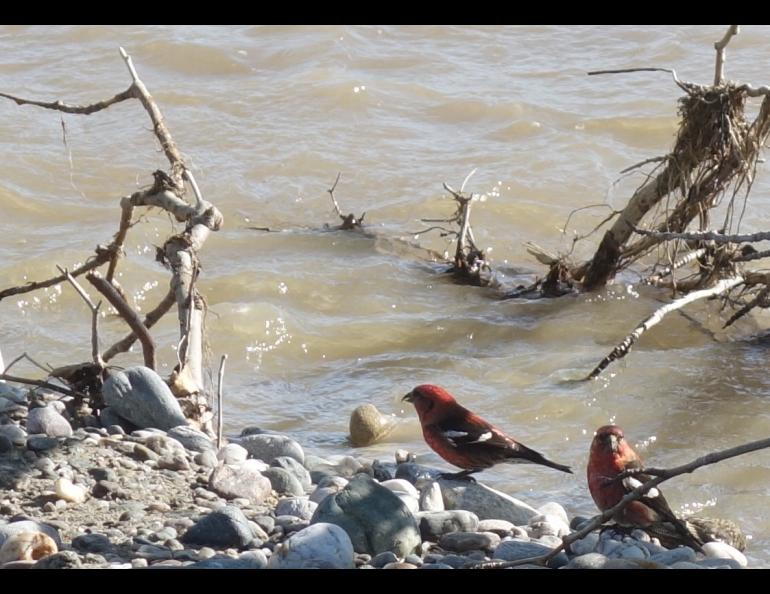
(465, 475)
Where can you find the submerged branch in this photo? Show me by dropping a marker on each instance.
(624, 347)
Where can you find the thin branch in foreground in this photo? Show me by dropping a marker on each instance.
(40, 384)
(127, 313)
(97, 358)
(660, 474)
(19, 358)
(624, 347)
(220, 400)
(149, 321)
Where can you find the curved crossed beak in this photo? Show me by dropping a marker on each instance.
(409, 398)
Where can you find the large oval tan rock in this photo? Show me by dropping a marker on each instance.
(368, 425)
(27, 546)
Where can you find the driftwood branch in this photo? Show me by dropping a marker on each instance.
(103, 255)
(220, 400)
(719, 46)
(655, 279)
(159, 126)
(714, 236)
(624, 347)
(127, 313)
(660, 475)
(149, 321)
(78, 109)
(39, 383)
(683, 85)
(349, 221)
(94, 317)
(759, 300)
(19, 358)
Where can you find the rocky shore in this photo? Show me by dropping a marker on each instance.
(126, 497)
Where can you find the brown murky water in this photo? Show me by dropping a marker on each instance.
(317, 322)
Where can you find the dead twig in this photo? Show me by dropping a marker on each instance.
(660, 475)
(220, 400)
(624, 347)
(97, 358)
(127, 313)
(719, 46)
(348, 221)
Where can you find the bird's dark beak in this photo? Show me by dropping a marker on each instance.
(614, 443)
(408, 398)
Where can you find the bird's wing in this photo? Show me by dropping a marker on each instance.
(469, 429)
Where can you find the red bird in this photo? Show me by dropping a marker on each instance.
(610, 455)
(465, 439)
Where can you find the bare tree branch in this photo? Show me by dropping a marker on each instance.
(660, 475)
(220, 400)
(79, 109)
(127, 313)
(94, 316)
(103, 255)
(624, 347)
(719, 69)
(40, 383)
(714, 236)
(149, 321)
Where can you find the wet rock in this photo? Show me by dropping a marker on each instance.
(319, 545)
(283, 481)
(108, 417)
(433, 525)
(268, 447)
(192, 439)
(413, 472)
(585, 545)
(374, 517)
(297, 470)
(41, 443)
(139, 395)
(485, 502)
(513, 550)
(48, 421)
(60, 560)
(6, 445)
(721, 550)
(225, 527)
(229, 563)
(207, 459)
(232, 453)
(383, 559)
(499, 527)
(16, 435)
(716, 563)
(300, 507)
(587, 561)
(240, 481)
(68, 492)
(461, 542)
(92, 543)
(430, 497)
(369, 426)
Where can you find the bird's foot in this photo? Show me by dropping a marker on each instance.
(465, 475)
